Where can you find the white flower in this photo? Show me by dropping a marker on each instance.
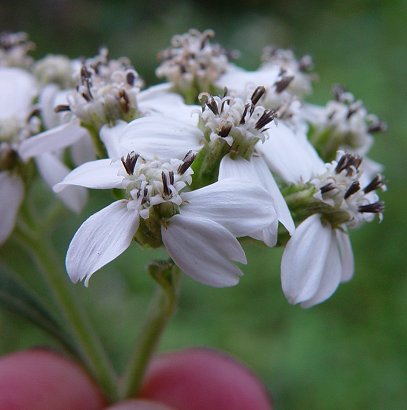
(14, 48)
(198, 228)
(243, 127)
(17, 91)
(343, 124)
(319, 255)
(193, 61)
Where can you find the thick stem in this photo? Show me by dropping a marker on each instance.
(160, 311)
(88, 345)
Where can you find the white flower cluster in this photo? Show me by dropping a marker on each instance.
(193, 61)
(251, 162)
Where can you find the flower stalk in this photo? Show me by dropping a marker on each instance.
(162, 307)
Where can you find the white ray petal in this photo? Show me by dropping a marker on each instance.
(111, 137)
(331, 275)
(53, 171)
(303, 261)
(256, 170)
(83, 151)
(11, 196)
(346, 254)
(268, 235)
(289, 155)
(203, 250)
(52, 140)
(240, 206)
(237, 80)
(18, 88)
(100, 239)
(159, 100)
(157, 136)
(99, 174)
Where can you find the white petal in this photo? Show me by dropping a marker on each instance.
(157, 136)
(100, 174)
(53, 171)
(240, 206)
(100, 239)
(18, 88)
(346, 254)
(111, 137)
(256, 170)
(203, 250)
(304, 259)
(83, 150)
(11, 196)
(50, 97)
(331, 275)
(238, 80)
(159, 100)
(268, 235)
(52, 140)
(290, 155)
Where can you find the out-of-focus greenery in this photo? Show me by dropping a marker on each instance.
(348, 353)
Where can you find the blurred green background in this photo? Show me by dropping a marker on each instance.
(351, 351)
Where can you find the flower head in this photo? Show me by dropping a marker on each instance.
(240, 124)
(14, 49)
(198, 228)
(106, 91)
(344, 123)
(193, 61)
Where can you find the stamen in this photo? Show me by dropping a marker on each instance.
(282, 84)
(166, 188)
(355, 186)
(377, 182)
(375, 208)
(266, 118)
(326, 188)
(225, 130)
(243, 118)
(379, 126)
(62, 108)
(130, 78)
(187, 161)
(257, 94)
(346, 162)
(130, 162)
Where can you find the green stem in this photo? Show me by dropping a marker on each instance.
(160, 311)
(88, 344)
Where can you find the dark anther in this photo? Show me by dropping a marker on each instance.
(225, 129)
(326, 188)
(243, 119)
(130, 78)
(124, 101)
(306, 64)
(226, 101)
(378, 126)
(353, 109)
(347, 161)
(34, 113)
(129, 162)
(282, 84)
(86, 97)
(375, 183)
(337, 91)
(187, 161)
(375, 208)
(331, 115)
(257, 94)
(166, 188)
(62, 108)
(266, 118)
(355, 186)
(171, 177)
(225, 92)
(211, 104)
